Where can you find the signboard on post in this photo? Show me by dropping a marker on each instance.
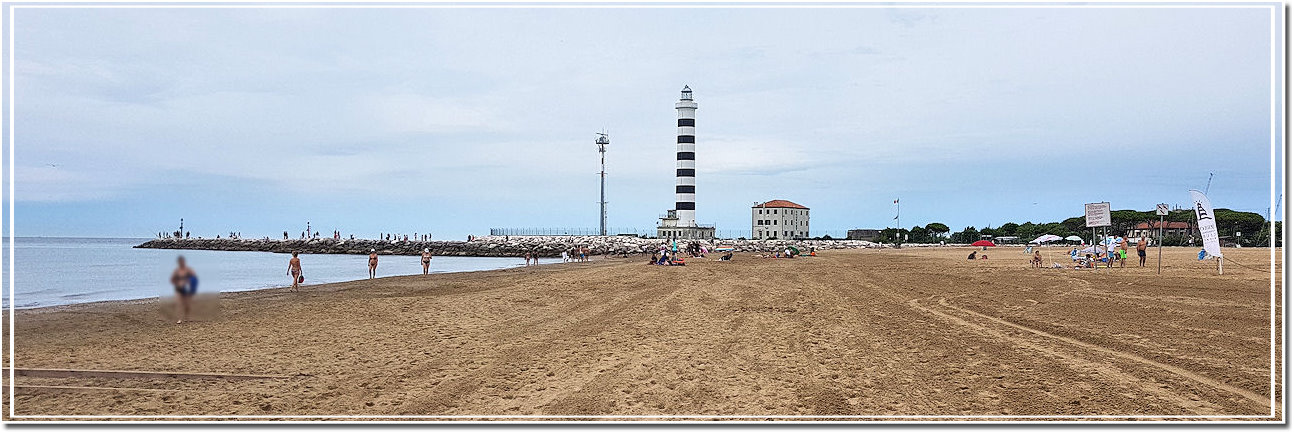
(1161, 210)
(1098, 214)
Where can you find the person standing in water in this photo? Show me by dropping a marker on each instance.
(426, 261)
(186, 284)
(372, 263)
(294, 269)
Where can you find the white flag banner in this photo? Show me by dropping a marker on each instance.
(1208, 226)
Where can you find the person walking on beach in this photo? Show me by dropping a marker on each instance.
(372, 263)
(1141, 250)
(294, 269)
(186, 284)
(426, 260)
(527, 258)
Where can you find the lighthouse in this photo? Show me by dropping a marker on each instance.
(680, 222)
(685, 175)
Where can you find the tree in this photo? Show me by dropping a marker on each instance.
(1008, 229)
(937, 229)
(920, 235)
(966, 236)
(891, 235)
(1249, 225)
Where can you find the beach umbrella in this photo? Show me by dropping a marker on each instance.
(1046, 238)
(1092, 250)
(1074, 238)
(983, 243)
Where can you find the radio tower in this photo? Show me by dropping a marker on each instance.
(602, 142)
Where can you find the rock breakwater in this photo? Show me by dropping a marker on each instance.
(490, 246)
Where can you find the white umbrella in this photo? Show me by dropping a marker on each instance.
(1074, 238)
(1092, 250)
(1046, 238)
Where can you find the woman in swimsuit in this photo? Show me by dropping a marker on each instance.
(372, 263)
(426, 260)
(294, 269)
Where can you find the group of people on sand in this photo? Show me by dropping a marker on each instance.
(665, 257)
(573, 254)
(372, 262)
(294, 266)
(1116, 250)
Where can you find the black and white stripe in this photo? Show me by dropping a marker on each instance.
(685, 180)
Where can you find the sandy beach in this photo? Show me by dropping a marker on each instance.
(880, 333)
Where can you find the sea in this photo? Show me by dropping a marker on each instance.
(51, 271)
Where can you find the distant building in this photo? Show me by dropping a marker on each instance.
(779, 219)
(1171, 228)
(870, 235)
(671, 227)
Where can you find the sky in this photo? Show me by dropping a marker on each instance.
(452, 121)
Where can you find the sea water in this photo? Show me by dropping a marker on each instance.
(61, 271)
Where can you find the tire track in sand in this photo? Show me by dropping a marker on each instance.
(1079, 361)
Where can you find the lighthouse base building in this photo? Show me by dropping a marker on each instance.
(680, 222)
(670, 228)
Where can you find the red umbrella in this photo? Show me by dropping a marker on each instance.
(983, 243)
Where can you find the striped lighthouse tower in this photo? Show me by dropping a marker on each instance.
(685, 184)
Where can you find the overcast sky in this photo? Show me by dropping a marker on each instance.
(452, 121)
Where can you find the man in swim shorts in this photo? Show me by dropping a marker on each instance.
(186, 284)
(294, 269)
(1141, 250)
(1123, 251)
(372, 263)
(426, 260)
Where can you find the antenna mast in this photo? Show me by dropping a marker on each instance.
(602, 143)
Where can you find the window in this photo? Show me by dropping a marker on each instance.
(686, 122)
(686, 156)
(686, 172)
(685, 189)
(687, 139)
(685, 205)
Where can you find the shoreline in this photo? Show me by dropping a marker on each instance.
(145, 300)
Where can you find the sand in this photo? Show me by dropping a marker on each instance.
(864, 333)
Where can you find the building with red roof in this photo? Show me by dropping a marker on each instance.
(1171, 228)
(779, 219)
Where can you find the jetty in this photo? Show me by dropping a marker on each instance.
(491, 246)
